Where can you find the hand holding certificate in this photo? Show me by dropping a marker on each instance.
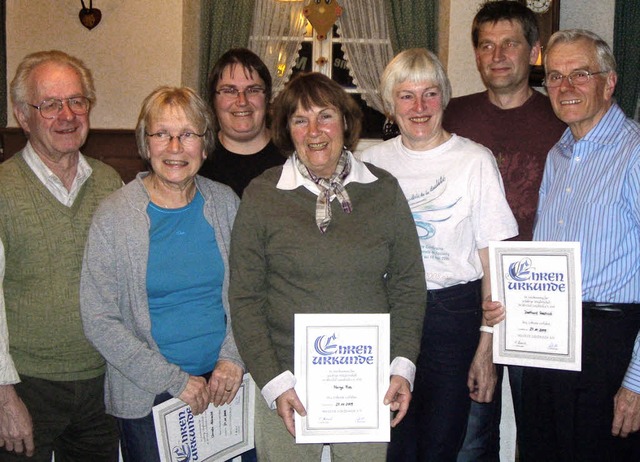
(218, 434)
(342, 373)
(539, 284)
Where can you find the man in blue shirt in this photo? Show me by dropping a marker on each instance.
(590, 193)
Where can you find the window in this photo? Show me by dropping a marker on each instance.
(327, 56)
(286, 42)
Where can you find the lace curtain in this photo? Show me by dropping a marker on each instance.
(382, 23)
(277, 20)
(368, 54)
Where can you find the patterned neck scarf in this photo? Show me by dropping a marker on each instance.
(329, 187)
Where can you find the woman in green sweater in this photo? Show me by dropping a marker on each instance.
(324, 233)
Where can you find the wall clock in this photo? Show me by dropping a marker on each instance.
(539, 6)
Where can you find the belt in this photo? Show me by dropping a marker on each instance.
(610, 309)
(456, 290)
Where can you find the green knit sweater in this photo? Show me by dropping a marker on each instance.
(44, 244)
(368, 261)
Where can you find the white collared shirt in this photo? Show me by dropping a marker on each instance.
(52, 182)
(291, 177)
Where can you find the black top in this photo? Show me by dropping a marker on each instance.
(237, 170)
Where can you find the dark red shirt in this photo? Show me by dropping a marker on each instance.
(519, 138)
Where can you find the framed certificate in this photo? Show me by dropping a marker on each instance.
(218, 434)
(540, 286)
(342, 375)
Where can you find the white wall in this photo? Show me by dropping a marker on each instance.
(461, 66)
(596, 16)
(136, 47)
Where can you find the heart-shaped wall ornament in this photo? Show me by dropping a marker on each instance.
(322, 14)
(90, 17)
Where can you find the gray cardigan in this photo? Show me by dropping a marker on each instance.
(113, 296)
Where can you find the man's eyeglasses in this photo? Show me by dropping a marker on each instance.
(232, 93)
(163, 139)
(554, 79)
(50, 108)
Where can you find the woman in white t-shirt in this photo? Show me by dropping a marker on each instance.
(456, 195)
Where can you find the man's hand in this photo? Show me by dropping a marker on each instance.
(196, 394)
(493, 312)
(286, 404)
(16, 428)
(225, 382)
(482, 373)
(398, 397)
(626, 413)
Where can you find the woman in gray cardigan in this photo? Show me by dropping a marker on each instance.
(155, 276)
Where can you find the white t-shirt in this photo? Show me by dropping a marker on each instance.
(457, 199)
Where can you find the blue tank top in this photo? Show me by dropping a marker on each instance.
(185, 273)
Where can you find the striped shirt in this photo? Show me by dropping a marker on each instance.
(590, 193)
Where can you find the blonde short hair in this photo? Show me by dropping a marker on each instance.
(413, 65)
(185, 98)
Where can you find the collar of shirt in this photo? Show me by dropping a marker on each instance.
(51, 181)
(291, 178)
(605, 132)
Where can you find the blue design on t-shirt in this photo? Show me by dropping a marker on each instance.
(423, 208)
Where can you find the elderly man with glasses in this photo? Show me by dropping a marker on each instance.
(51, 378)
(590, 193)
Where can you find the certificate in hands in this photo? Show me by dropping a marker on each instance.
(218, 434)
(342, 375)
(540, 286)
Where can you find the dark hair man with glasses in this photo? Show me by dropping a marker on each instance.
(51, 378)
(590, 193)
(517, 123)
(240, 92)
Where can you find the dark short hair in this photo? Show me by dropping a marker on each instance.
(506, 10)
(250, 63)
(248, 60)
(313, 89)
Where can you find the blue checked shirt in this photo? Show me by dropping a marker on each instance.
(590, 193)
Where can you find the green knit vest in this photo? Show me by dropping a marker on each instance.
(44, 244)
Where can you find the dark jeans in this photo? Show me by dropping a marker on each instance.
(482, 440)
(567, 415)
(138, 438)
(68, 418)
(434, 427)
